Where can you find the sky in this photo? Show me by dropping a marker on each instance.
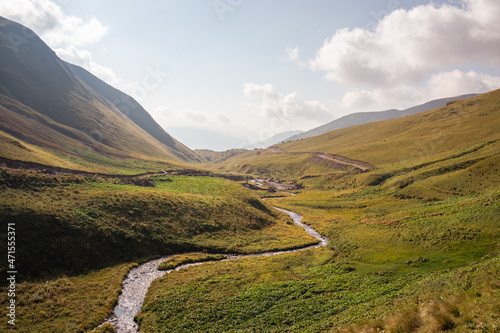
(255, 68)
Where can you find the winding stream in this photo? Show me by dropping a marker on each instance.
(139, 279)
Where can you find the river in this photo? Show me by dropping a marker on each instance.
(139, 279)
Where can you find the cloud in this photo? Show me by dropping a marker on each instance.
(263, 91)
(406, 46)
(223, 119)
(274, 104)
(412, 56)
(458, 83)
(83, 59)
(439, 85)
(48, 21)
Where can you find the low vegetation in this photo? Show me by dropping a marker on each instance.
(413, 243)
(67, 303)
(309, 292)
(105, 221)
(188, 258)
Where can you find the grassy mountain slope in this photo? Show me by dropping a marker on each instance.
(411, 139)
(134, 111)
(396, 143)
(359, 118)
(45, 104)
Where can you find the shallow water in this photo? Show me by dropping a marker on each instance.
(139, 279)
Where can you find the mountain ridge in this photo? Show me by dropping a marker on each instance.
(132, 109)
(45, 104)
(359, 118)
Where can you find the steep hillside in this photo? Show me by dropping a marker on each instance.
(134, 111)
(44, 104)
(359, 118)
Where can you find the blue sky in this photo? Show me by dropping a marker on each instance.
(254, 68)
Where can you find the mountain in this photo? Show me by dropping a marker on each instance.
(133, 110)
(449, 129)
(464, 129)
(196, 138)
(275, 139)
(359, 118)
(44, 104)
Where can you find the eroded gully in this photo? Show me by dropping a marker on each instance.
(139, 279)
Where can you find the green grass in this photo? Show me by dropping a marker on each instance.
(105, 221)
(273, 165)
(67, 303)
(188, 258)
(414, 138)
(305, 292)
(423, 228)
(458, 300)
(384, 233)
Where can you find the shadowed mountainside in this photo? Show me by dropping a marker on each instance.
(44, 104)
(133, 110)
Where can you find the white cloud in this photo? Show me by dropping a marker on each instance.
(196, 116)
(275, 104)
(83, 59)
(64, 33)
(458, 83)
(412, 56)
(408, 45)
(263, 91)
(47, 20)
(440, 85)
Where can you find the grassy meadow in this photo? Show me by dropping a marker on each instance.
(79, 235)
(310, 292)
(414, 243)
(68, 303)
(393, 263)
(70, 216)
(188, 258)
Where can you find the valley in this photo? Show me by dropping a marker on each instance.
(388, 224)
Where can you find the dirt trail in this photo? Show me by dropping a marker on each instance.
(340, 161)
(140, 278)
(346, 161)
